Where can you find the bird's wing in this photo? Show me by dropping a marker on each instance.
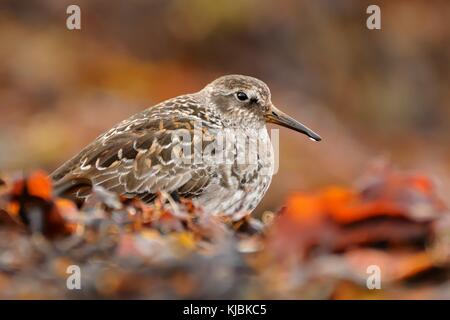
(140, 157)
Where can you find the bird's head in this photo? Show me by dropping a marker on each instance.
(245, 99)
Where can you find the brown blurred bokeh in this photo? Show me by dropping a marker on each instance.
(370, 94)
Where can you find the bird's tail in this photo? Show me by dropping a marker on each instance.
(75, 189)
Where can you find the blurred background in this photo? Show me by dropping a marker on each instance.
(371, 94)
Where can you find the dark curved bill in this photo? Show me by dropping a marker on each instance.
(278, 117)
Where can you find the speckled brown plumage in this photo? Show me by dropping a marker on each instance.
(136, 157)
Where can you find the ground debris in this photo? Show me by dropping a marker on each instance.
(321, 245)
(328, 243)
(123, 247)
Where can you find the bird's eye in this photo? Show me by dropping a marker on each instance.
(241, 96)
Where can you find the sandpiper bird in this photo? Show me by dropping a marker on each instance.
(136, 157)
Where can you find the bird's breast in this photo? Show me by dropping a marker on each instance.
(244, 167)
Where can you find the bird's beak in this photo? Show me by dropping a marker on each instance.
(278, 117)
